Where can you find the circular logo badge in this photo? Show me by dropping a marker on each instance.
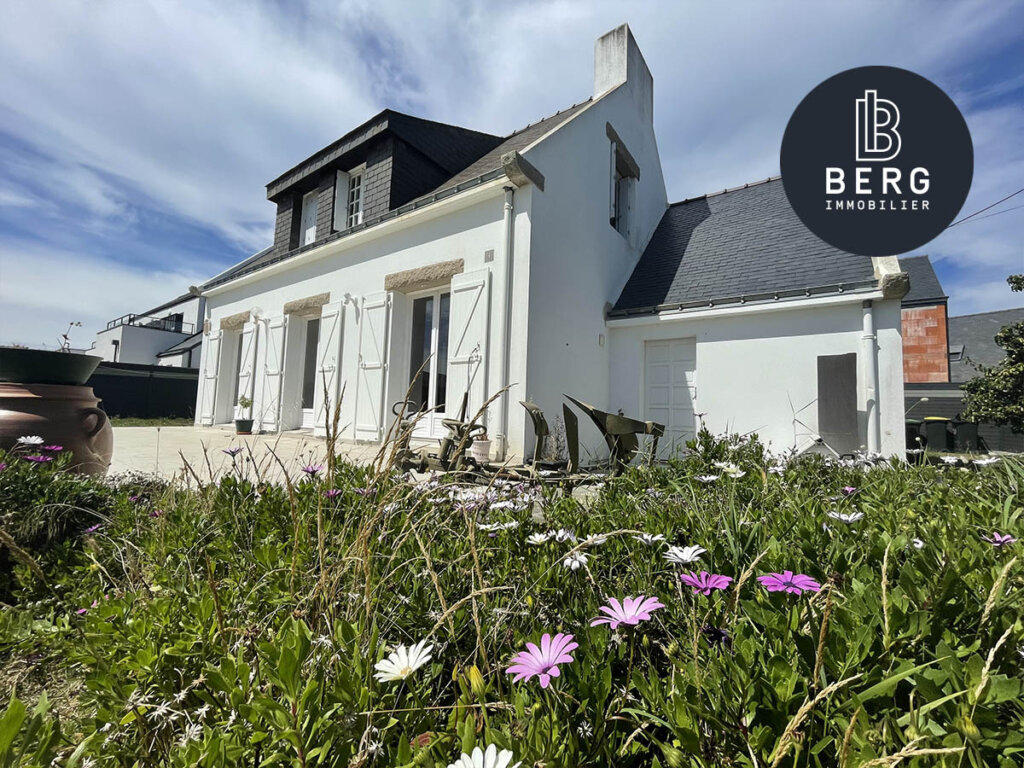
(877, 161)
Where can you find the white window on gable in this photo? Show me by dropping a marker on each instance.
(623, 173)
(348, 199)
(354, 212)
(308, 228)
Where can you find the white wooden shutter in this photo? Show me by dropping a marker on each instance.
(273, 373)
(374, 328)
(247, 364)
(467, 342)
(328, 364)
(611, 181)
(211, 362)
(341, 201)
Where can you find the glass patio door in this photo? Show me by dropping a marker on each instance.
(428, 363)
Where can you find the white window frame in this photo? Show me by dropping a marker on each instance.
(621, 190)
(354, 208)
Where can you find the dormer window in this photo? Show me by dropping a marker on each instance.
(348, 199)
(623, 175)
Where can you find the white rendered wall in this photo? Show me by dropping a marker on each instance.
(755, 369)
(579, 262)
(137, 344)
(357, 265)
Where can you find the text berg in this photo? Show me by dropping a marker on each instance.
(865, 178)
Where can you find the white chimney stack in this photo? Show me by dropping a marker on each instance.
(618, 60)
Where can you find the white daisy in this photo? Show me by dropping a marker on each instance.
(706, 478)
(952, 460)
(730, 469)
(985, 462)
(918, 544)
(405, 660)
(492, 758)
(736, 475)
(498, 526)
(30, 440)
(778, 469)
(846, 517)
(684, 555)
(562, 535)
(650, 539)
(538, 538)
(595, 541)
(575, 561)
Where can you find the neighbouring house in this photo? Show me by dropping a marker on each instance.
(423, 260)
(170, 334)
(925, 331)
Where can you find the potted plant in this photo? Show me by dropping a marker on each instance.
(244, 426)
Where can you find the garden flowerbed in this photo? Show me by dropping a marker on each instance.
(726, 609)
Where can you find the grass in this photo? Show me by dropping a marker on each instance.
(131, 421)
(239, 622)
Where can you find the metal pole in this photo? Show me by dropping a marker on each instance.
(869, 347)
(506, 330)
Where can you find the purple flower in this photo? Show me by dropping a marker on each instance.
(543, 662)
(704, 582)
(367, 491)
(53, 448)
(999, 540)
(787, 581)
(93, 528)
(312, 470)
(3, 466)
(134, 499)
(38, 459)
(157, 513)
(232, 452)
(82, 611)
(333, 492)
(631, 611)
(849, 490)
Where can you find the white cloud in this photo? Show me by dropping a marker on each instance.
(185, 109)
(43, 290)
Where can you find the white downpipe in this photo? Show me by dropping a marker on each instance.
(501, 449)
(870, 349)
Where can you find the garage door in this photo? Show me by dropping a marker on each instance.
(670, 380)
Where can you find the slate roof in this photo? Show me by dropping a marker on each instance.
(168, 304)
(740, 244)
(450, 146)
(976, 333)
(183, 346)
(483, 168)
(516, 141)
(925, 287)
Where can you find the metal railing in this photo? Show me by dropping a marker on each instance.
(173, 323)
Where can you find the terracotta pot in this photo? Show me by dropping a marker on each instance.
(63, 415)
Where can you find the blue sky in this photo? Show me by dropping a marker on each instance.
(136, 138)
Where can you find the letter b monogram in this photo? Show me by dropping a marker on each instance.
(877, 137)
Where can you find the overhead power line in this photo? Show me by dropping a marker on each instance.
(987, 207)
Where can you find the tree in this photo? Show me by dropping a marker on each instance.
(997, 394)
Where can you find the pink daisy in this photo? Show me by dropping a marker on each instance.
(787, 581)
(704, 582)
(631, 611)
(543, 662)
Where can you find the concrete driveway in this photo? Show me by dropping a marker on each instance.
(164, 451)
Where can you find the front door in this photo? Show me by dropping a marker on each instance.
(428, 363)
(309, 382)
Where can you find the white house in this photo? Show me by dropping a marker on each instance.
(550, 261)
(170, 334)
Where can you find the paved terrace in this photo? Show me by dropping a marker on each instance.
(163, 451)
